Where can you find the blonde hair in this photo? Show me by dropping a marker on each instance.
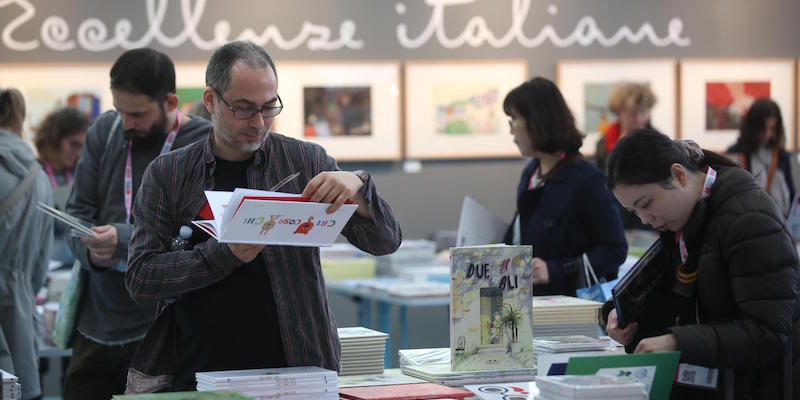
(12, 110)
(628, 95)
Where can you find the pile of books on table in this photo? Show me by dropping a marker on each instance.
(433, 365)
(11, 387)
(564, 315)
(588, 387)
(273, 383)
(555, 351)
(363, 351)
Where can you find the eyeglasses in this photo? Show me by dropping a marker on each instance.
(244, 113)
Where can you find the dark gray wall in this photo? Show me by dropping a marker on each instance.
(59, 31)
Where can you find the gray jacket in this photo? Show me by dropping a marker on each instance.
(107, 314)
(25, 239)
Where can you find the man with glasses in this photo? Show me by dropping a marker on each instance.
(119, 145)
(240, 306)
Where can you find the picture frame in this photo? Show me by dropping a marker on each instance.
(715, 94)
(352, 109)
(587, 86)
(454, 109)
(85, 86)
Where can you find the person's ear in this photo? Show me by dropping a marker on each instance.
(171, 102)
(209, 99)
(679, 174)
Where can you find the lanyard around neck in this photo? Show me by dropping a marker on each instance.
(711, 176)
(128, 186)
(48, 169)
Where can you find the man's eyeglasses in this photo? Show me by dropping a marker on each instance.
(245, 113)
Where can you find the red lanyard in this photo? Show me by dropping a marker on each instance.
(50, 174)
(128, 187)
(711, 176)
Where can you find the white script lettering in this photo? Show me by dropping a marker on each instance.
(476, 32)
(93, 35)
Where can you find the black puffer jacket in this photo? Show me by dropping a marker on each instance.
(747, 291)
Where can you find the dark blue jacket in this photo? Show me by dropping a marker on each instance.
(571, 214)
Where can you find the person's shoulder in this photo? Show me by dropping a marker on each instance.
(283, 140)
(194, 130)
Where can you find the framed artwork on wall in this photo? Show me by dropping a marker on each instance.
(47, 87)
(454, 109)
(587, 86)
(716, 94)
(350, 108)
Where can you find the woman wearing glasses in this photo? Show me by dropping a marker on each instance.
(563, 206)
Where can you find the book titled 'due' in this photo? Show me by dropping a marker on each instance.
(274, 218)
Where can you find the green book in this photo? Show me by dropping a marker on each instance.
(184, 396)
(655, 370)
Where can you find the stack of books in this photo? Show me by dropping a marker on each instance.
(411, 254)
(553, 352)
(407, 391)
(183, 396)
(443, 374)
(11, 387)
(568, 343)
(363, 351)
(344, 261)
(564, 315)
(588, 387)
(273, 383)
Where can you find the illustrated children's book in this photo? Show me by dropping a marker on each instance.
(491, 308)
(264, 217)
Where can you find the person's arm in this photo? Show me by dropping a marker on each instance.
(599, 216)
(86, 196)
(373, 229)
(761, 260)
(155, 272)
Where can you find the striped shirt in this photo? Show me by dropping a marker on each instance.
(172, 194)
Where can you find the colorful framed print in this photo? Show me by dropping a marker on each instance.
(716, 94)
(47, 87)
(587, 86)
(454, 109)
(352, 109)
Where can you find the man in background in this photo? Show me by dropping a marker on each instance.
(119, 146)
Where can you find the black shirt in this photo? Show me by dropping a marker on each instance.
(233, 323)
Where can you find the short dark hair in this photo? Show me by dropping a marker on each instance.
(12, 110)
(550, 123)
(646, 156)
(755, 121)
(59, 124)
(144, 71)
(218, 71)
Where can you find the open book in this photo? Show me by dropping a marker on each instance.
(264, 217)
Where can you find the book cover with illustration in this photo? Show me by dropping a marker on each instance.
(491, 309)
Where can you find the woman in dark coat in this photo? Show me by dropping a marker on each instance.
(563, 206)
(730, 292)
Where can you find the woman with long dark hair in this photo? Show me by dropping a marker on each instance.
(760, 149)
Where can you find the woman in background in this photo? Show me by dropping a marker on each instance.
(760, 149)
(563, 206)
(729, 297)
(59, 141)
(631, 103)
(25, 238)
